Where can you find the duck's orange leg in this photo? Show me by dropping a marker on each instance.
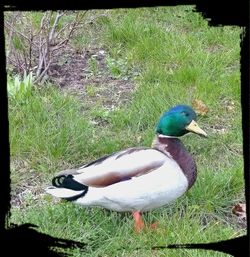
(139, 224)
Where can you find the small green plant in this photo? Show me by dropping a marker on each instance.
(93, 65)
(117, 68)
(90, 90)
(20, 88)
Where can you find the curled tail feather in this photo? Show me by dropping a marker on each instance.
(65, 187)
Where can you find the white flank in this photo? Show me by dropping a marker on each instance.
(143, 193)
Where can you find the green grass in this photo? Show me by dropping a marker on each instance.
(179, 58)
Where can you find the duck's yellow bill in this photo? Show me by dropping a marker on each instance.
(193, 127)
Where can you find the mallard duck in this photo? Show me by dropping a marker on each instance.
(137, 179)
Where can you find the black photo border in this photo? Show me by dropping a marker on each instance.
(24, 239)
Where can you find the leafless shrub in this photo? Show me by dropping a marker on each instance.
(33, 38)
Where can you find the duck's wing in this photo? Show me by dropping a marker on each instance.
(117, 167)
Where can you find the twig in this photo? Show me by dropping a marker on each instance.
(11, 32)
(52, 32)
(75, 23)
(42, 73)
(18, 32)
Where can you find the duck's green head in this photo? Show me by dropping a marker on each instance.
(178, 121)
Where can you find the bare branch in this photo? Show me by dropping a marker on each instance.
(42, 23)
(12, 21)
(73, 28)
(42, 73)
(52, 32)
(41, 59)
(62, 29)
(16, 31)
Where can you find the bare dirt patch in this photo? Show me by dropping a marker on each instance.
(88, 76)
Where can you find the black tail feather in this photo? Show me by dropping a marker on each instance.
(75, 197)
(67, 181)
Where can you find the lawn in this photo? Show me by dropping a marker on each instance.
(141, 62)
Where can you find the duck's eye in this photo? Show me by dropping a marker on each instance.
(185, 114)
